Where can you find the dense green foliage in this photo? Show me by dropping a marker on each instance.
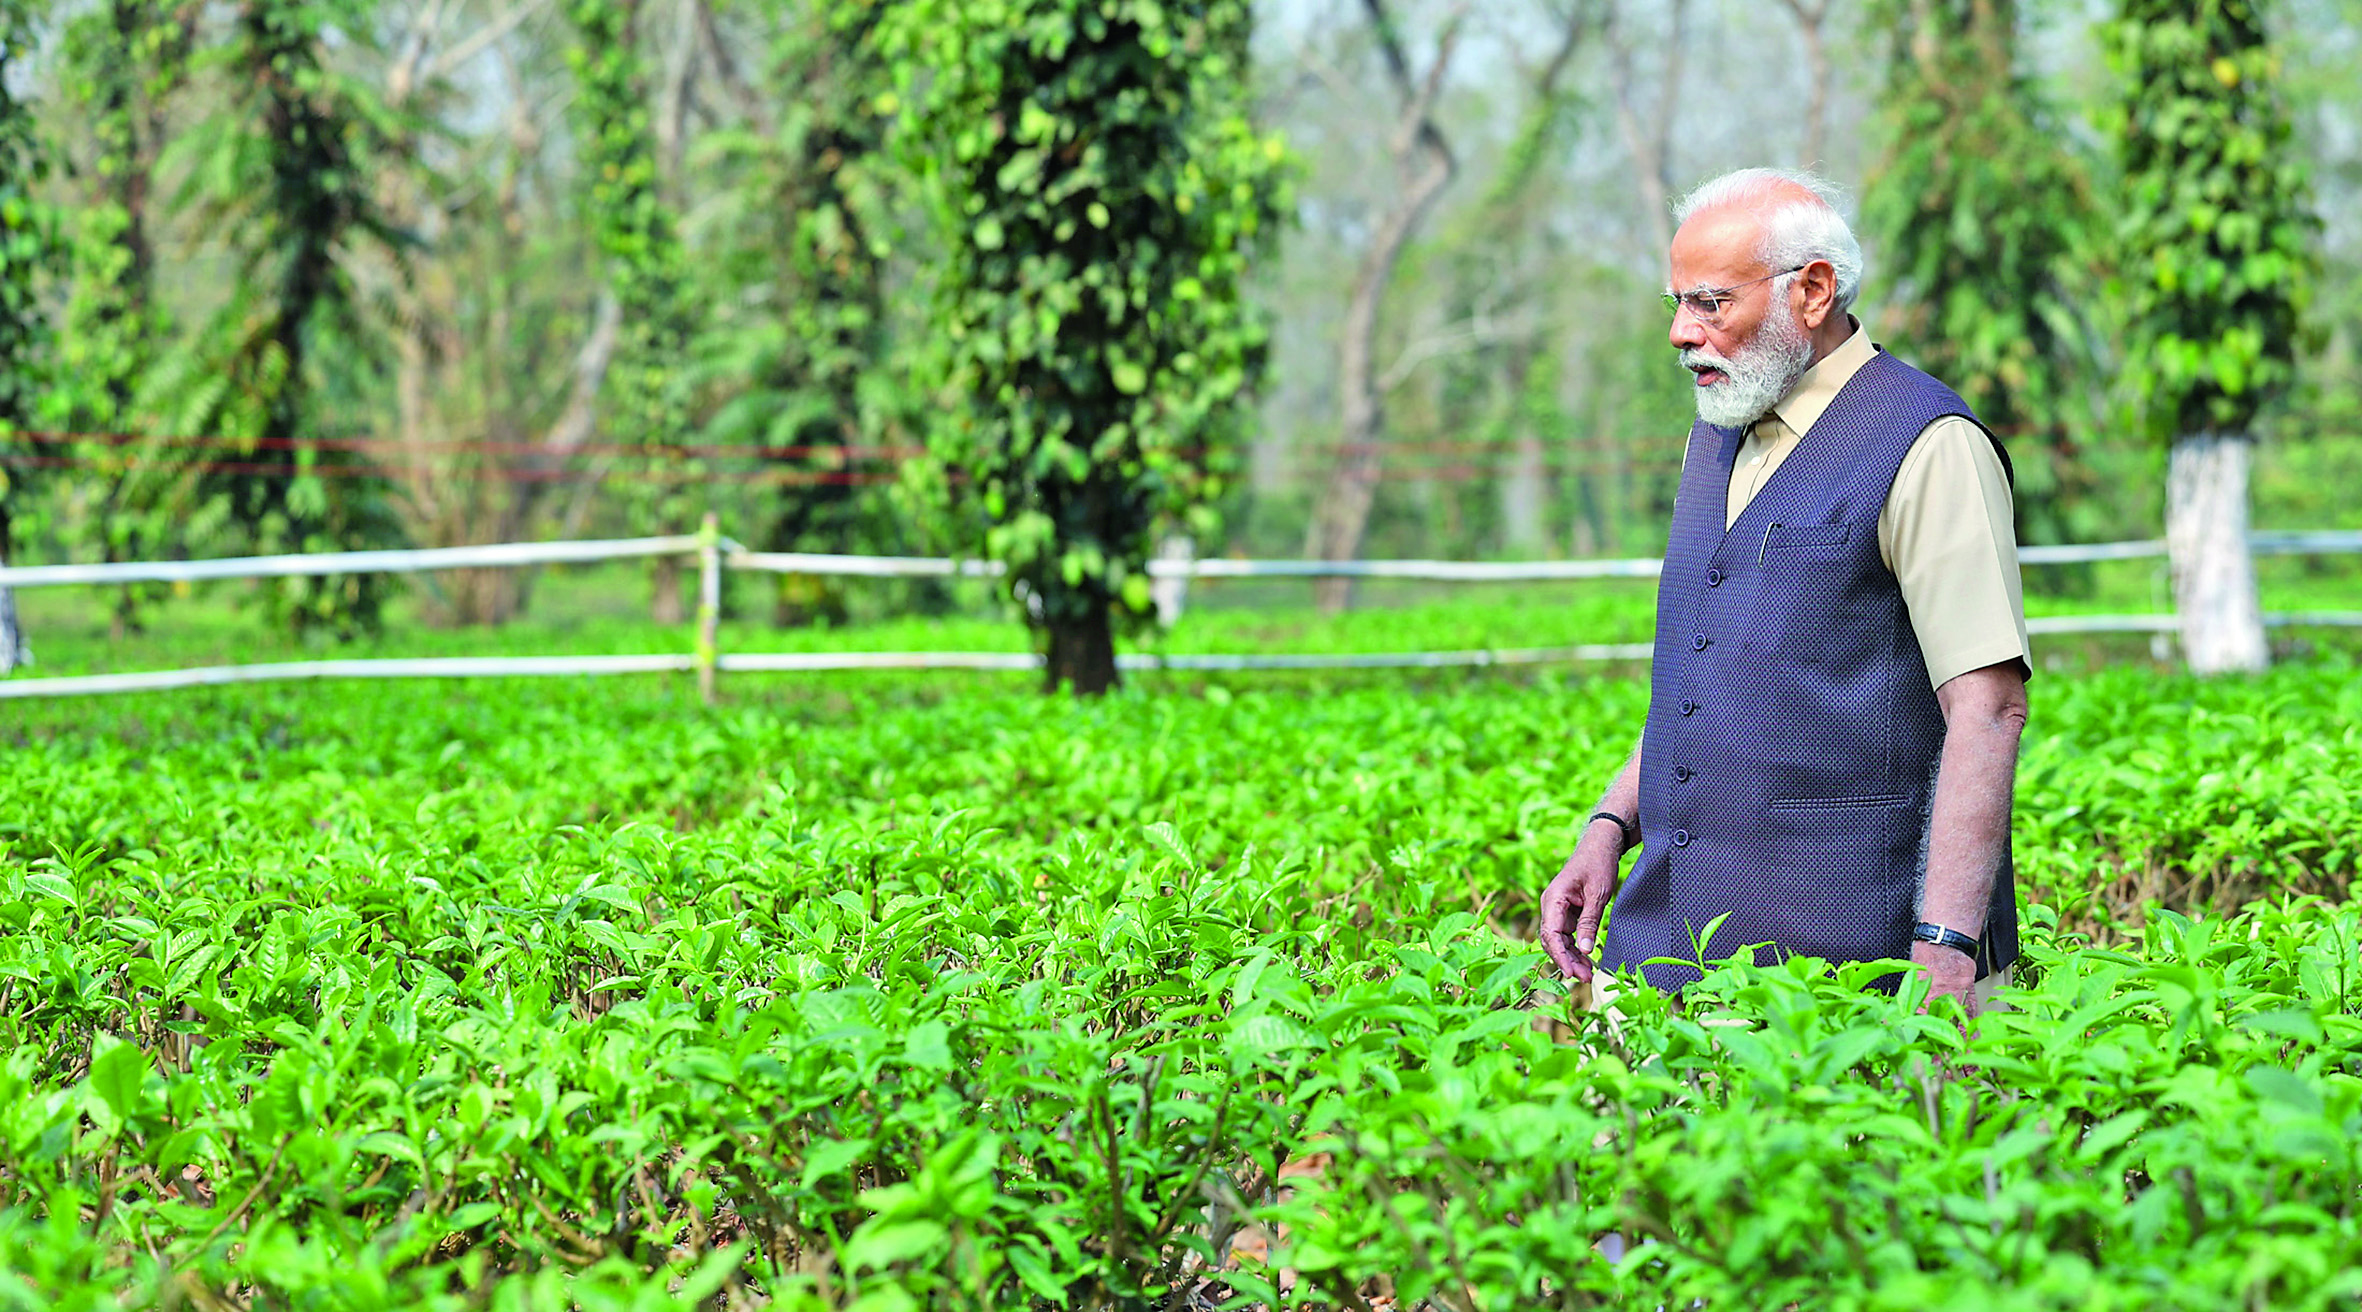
(24, 242)
(283, 168)
(125, 56)
(26, 249)
(2216, 232)
(1099, 191)
(636, 231)
(1982, 217)
(120, 54)
(864, 994)
(798, 370)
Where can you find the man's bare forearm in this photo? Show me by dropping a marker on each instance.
(1968, 831)
(1623, 794)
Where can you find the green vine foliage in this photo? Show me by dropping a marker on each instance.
(1982, 208)
(637, 236)
(1100, 190)
(2216, 239)
(122, 61)
(806, 368)
(284, 169)
(26, 248)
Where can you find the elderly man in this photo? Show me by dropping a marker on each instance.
(1840, 670)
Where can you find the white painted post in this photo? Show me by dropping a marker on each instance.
(1170, 591)
(709, 603)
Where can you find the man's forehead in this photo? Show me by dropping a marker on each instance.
(1717, 247)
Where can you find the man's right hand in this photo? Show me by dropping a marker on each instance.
(1576, 900)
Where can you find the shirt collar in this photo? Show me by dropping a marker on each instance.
(1805, 402)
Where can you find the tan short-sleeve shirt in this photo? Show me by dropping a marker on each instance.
(1946, 531)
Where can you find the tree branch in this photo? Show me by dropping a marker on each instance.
(1476, 331)
(1651, 147)
(672, 105)
(1343, 514)
(717, 53)
(476, 42)
(1809, 23)
(402, 78)
(580, 417)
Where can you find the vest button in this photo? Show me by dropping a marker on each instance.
(1682, 773)
(1689, 707)
(1713, 578)
(1681, 838)
(1698, 643)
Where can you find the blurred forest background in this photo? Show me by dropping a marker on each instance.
(310, 274)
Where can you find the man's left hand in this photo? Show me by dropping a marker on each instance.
(1950, 973)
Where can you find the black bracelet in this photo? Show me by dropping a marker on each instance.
(1625, 827)
(1923, 932)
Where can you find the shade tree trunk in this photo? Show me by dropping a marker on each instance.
(1424, 165)
(2214, 591)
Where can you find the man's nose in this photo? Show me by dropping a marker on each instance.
(1686, 333)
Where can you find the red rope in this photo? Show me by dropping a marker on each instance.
(289, 469)
(472, 447)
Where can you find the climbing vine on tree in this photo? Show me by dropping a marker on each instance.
(1099, 190)
(25, 242)
(638, 240)
(282, 169)
(1983, 212)
(25, 255)
(2215, 251)
(835, 186)
(123, 60)
(799, 355)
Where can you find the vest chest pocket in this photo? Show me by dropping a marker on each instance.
(1784, 540)
(1809, 606)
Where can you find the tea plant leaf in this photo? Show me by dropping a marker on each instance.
(117, 1069)
(881, 1243)
(1164, 835)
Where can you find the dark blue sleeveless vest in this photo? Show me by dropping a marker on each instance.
(1790, 757)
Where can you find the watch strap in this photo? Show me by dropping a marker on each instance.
(1945, 937)
(1630, 830)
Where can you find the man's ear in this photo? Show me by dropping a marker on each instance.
(1816, 287)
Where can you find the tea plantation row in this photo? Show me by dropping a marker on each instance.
(913, 994)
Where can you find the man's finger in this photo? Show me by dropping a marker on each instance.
(1555, 946)
(1555, 905)
(1587, 929)
(1587, 934)
(1554, 932)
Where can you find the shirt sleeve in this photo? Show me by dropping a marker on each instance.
(1947, 534)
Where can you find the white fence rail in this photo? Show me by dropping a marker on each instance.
(500, 555)
(715, 552)
(504, 555)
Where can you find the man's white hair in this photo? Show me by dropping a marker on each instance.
(1796, 229)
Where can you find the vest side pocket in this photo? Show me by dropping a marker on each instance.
(1835, 877)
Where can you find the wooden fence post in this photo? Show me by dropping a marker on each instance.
(709, 603)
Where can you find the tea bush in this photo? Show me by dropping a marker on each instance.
(895, 993)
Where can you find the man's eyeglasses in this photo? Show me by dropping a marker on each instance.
(1708, 303)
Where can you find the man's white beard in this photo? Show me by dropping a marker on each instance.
(1757, 375)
